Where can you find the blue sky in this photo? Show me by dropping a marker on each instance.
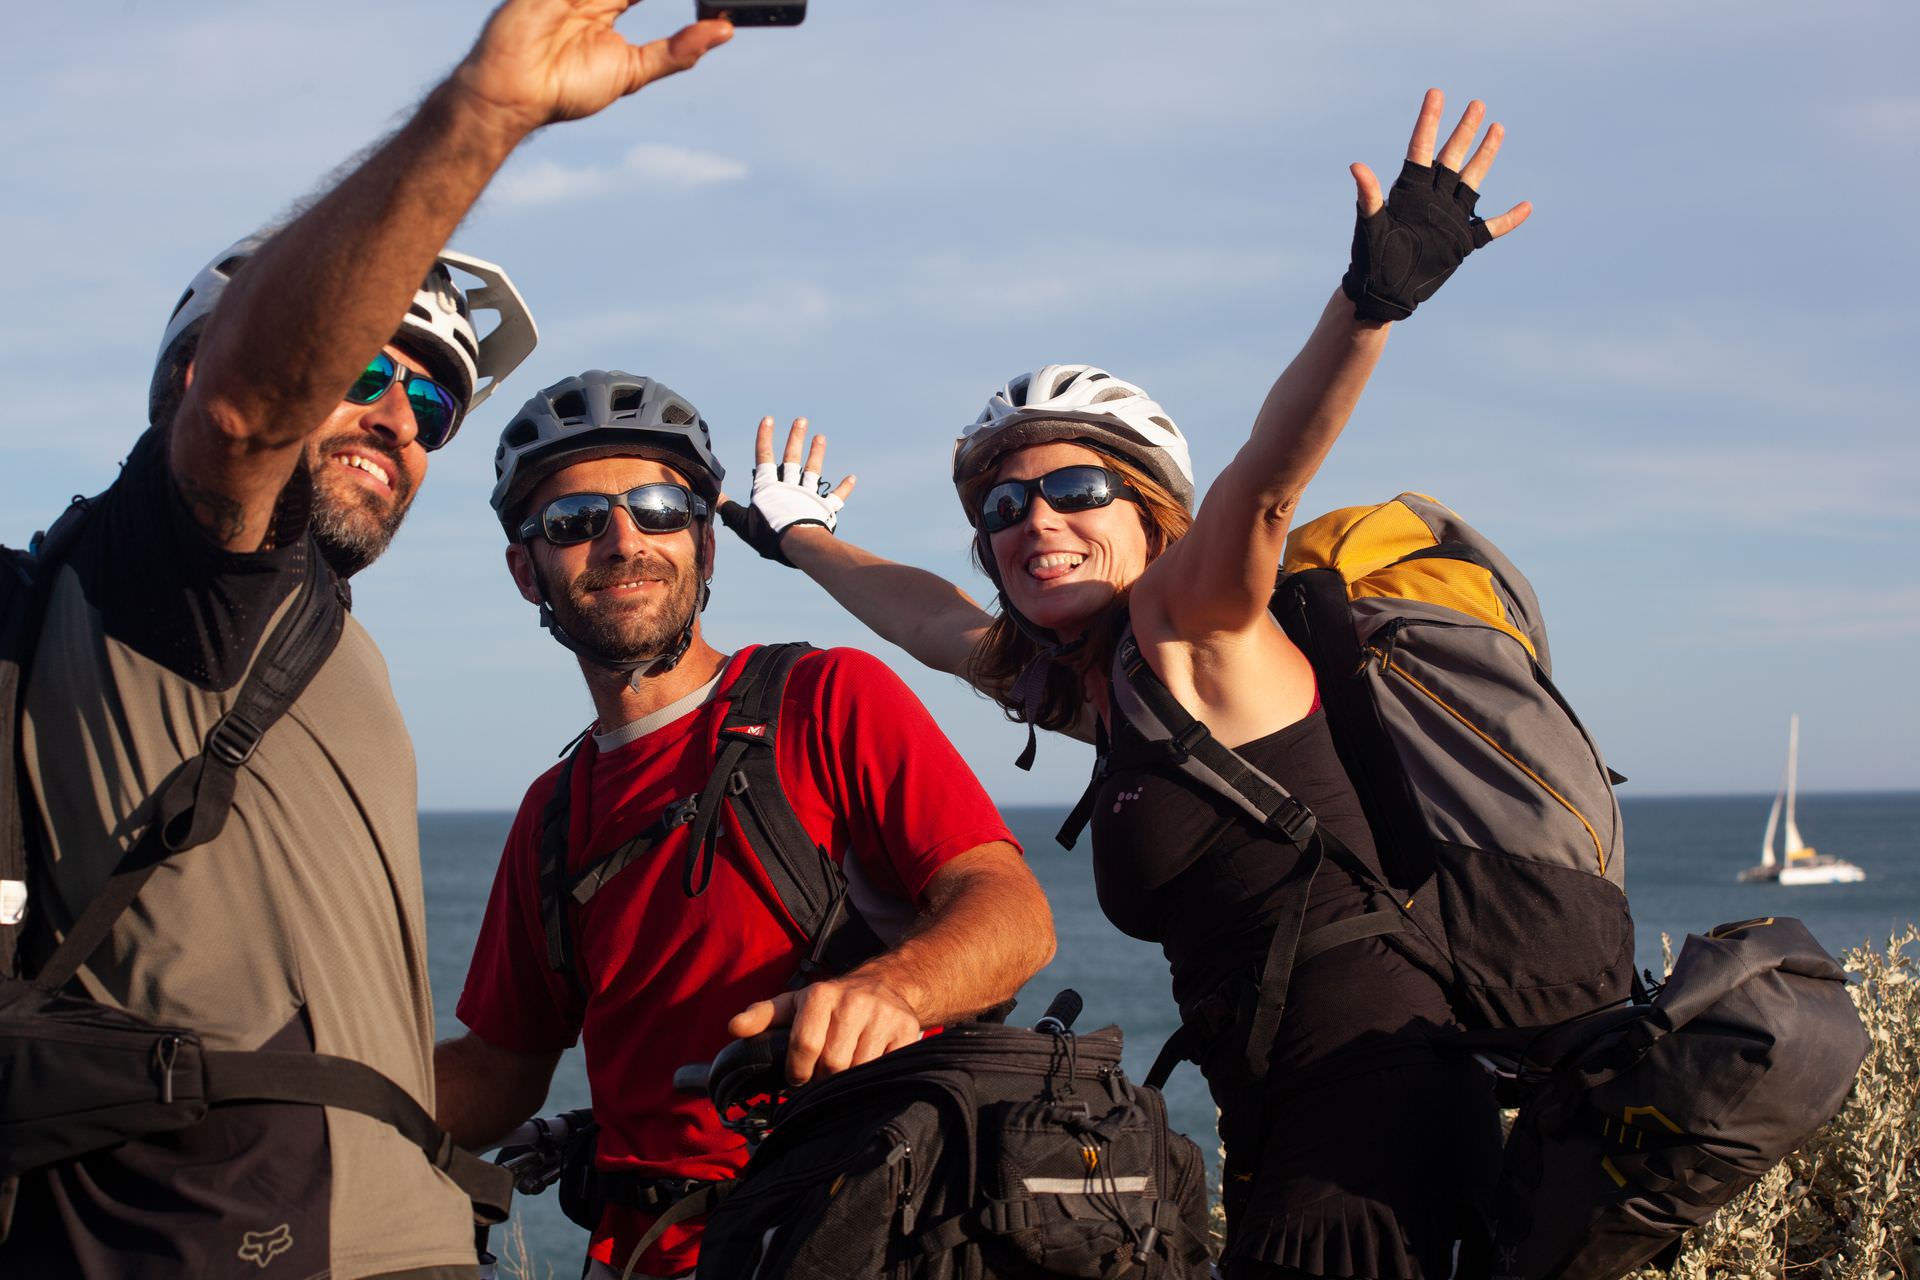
(1682, 397)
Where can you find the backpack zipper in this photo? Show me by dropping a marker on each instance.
(900, 1159)
(1383, 656)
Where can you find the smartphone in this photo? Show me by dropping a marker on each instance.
(754, 13)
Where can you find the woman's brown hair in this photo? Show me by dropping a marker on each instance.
(1005, 650)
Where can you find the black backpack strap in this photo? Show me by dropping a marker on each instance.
(1190, 747)
(26, 589)
(194, 803)
(555, 919)
(320, 1079)
(812, 887)
(21, 602)
(1069, 833)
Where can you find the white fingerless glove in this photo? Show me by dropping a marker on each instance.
(785, 495)
(778, 504)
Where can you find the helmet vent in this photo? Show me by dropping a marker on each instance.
(519, 435)
(571, 407)
(676, 415)
(1166, 424)
(1017, 390)
(229, 265)
(180, 305)
(626, 402)
(466, 344)
(1113, 393)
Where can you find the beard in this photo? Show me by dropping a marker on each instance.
(623, 632)
(352, 525)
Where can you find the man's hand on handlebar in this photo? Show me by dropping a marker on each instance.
(836, 1024)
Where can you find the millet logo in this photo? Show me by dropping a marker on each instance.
(749, 730)
(262, 1247)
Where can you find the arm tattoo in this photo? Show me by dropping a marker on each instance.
(223, 518)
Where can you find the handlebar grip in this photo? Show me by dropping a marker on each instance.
(748, 1067)
(1060, 1014)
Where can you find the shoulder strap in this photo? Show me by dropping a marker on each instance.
(555, 826)
(812, 887)
(319, 1079)
(195, 801)
(1175, 738)
(26, 587)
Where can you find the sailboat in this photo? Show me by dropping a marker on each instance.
(1799, 864)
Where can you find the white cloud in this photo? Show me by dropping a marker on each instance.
(660, 164)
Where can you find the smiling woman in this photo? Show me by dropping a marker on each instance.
(1352, 1146)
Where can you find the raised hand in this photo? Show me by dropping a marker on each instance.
(785, 495)
(1407, 244)
(542, 61)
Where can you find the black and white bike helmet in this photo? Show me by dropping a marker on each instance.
(1076, 402)
(601, 413)
(439, 324)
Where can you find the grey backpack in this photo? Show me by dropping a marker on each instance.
(1644, 1120)
(1501, 857)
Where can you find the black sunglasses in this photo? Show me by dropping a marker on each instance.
(436, 412)
(582, 517)
(1076, 488)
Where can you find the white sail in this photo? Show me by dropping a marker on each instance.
(1794, 842)
(1766, 841)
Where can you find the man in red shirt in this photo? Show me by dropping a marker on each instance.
(677, 944)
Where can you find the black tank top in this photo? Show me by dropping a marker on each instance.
(1175, 864)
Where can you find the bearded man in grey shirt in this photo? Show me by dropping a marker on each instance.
(299, 926)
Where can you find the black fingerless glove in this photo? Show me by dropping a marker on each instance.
(757, 531)
(1405, 252)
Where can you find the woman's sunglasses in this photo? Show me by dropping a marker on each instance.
(1077, 488)
(582, 517)
(436, 413)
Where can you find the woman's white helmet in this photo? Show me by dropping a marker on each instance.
(1076, 402)
(600, 414)
(439, 323)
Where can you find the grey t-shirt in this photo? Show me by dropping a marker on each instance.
(300, 926)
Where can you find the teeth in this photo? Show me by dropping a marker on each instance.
(367, 465)
(1055, 560)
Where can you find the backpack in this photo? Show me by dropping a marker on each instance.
(984, 1152)
(78, 1076)
(1643, 1120)
(812, 887)
(1500, 848)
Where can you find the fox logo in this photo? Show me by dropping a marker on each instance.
(262, 1247)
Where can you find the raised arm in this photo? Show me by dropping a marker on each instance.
(1220, 577)
(791, 521)
(321, 298)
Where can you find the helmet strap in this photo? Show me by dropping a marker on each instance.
(646, 666)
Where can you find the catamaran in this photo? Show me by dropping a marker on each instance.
(1799, 864)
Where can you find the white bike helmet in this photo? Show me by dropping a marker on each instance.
(1076, 401)
(439, 323)
(600, 414)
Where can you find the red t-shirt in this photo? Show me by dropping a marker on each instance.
(866, 770)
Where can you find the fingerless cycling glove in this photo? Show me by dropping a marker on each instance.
(1406, 251)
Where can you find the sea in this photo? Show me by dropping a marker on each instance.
(1683, 856)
